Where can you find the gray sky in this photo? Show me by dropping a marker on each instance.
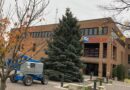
(82, 9)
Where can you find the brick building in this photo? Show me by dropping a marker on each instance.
(104, 45)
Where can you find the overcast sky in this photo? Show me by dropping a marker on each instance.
(82, 9)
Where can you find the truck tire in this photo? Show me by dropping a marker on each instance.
(12, 78)
(28, 80)
(44, 81)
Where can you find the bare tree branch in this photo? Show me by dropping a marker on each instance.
(118, 7)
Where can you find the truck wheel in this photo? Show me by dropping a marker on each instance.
(45, 80)
(28, 80)
(12, 78)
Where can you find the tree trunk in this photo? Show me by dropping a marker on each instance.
(2, 85)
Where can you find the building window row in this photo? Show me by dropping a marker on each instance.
(94, 31)
(43, 34)
(91, 52)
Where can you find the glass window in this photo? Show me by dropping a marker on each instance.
(38, 34)
(86, 31)
(95, 31)
(90, 32)
(45, 34)
(82, 31)
(105, 30)
(48, 34)
(42, 34)
(100, 31)
(33, 35)
(32, 65)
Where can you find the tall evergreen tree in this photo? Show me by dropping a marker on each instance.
(65, 50)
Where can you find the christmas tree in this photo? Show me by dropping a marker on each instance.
(64, 50)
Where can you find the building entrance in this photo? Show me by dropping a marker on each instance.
(90, 67)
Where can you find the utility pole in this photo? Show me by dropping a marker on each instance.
(56, 16)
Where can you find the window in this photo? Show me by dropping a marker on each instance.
(35, 34)
(95, 31)
(42, 34)
(49, 34)
(100, 32)
(86, 31)
(32, 65)
(105, 30)
(128, 59)
(90, 32)
(91, 50)
(82, 31)
(38, 34)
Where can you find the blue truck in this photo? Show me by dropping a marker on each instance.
(28, 70)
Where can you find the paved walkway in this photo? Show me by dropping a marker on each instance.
(118, 86)
(35, 86)
(56, 86)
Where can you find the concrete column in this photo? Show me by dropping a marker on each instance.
(109, 58)
(100, 67)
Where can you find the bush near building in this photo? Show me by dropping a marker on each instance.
(119, 72)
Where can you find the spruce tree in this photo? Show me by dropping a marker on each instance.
(65, 50)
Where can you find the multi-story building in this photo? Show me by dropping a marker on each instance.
(104, 45)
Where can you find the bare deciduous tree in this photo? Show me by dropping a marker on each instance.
(24, 15)
(119, 7)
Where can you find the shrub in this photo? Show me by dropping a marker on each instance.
(119, 72)
(53, 75)
(57, 76)
(114, 72)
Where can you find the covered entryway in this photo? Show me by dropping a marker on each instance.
(93, 67)
(90, 67)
